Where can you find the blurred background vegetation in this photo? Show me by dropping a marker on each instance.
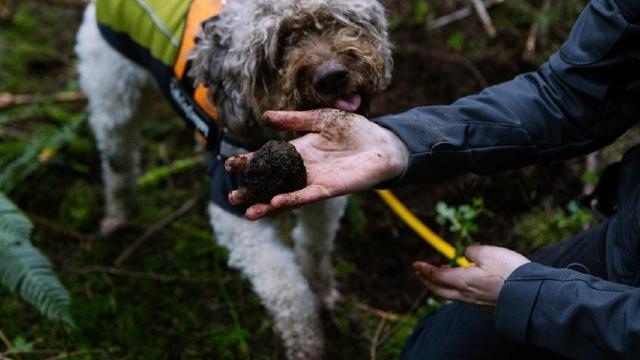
(161, 289)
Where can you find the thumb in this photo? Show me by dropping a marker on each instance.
(477, 253)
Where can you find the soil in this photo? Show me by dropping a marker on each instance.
(277, 168)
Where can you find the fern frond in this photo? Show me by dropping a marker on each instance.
(25, 270)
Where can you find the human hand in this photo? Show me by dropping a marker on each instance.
(477, 285)
(342, 152)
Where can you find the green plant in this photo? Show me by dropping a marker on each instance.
(456, 41)
(26, 271)
(19, 159)
(548, 225)
(420, 12)
(462, 221)
(19, 345)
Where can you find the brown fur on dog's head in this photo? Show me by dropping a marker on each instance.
(307, 50)
(264, 55)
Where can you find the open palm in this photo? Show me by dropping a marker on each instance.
(343, 153)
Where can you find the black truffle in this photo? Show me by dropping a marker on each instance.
(276, 168)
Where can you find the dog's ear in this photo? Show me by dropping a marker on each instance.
(208, 55)
(212, 66)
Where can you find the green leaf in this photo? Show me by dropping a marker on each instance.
(158, 174)
(24, 270)
(456, 41)
(24, 165)
(20, 345)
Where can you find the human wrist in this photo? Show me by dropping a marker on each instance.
(397, 155)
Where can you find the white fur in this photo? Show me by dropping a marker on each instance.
(291, 284)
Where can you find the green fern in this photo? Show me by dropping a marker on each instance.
(25, 270)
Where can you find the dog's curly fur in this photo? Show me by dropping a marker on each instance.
(257, 55)
(267, 62)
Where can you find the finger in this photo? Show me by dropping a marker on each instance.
(310, 194)
(476, 253)
(238, 163)
(240, 196)
(454, 294)
(451, 277)
(297, 120)
(258, 211)
(439, 290)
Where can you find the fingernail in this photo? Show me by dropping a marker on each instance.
(268, 115)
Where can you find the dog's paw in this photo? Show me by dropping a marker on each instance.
(111, 224)
(332, 298)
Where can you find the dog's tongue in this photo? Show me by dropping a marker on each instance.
(351, 104)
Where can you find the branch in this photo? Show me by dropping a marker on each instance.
(414, 307)
(483, 14)
(185, 208)
(136, 274)
(59, 228)
(534, 31)
(5, 340)
(375, 341)
(385, 315)
(458, 15)
(8, 100)
(7, 9)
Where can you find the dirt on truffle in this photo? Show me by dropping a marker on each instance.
(276, 168)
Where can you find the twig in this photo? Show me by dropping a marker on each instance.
(185, 208)
(534, 31)
(10, 133)
(413, 308)
(7, 9)
(59, 228)
(9, 100)
(5, 340)
(74, 353)
(483, 14)
(380, 313)
(136, 274)
(375, 340)
(458, 15)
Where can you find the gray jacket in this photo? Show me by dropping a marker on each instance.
(583, 98)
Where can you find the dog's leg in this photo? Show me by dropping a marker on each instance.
(113, 85)
(256, 250)
(313, 236)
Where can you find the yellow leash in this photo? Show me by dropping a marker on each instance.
(420, 228)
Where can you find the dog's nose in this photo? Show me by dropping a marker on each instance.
(330, 78)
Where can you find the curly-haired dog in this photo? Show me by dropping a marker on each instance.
(249, 56)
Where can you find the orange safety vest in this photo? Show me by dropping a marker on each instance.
(199, 11)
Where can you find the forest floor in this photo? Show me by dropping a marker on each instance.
(174, 296)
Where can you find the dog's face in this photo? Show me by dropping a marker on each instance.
(264, 55)
(323, 63)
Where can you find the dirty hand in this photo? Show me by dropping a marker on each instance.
(477, 285)
(343, 153)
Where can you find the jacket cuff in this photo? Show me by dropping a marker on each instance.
(516, 302)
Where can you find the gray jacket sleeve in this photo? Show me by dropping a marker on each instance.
(582, 99)
(576, 315)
